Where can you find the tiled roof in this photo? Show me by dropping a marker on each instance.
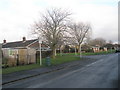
(18, 44)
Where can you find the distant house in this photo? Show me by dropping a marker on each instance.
(110, 46)
(117, 46)
(98, 48)
(86, 48)
(21, 52)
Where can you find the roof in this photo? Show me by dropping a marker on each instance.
(18, 44)
(108, 45)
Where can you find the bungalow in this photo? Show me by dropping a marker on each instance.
(97, 48)
(21, 52)
(109, 46)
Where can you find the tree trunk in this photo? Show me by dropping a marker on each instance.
(75, 51)
(78, 48)
(60, 51)
(53, 52)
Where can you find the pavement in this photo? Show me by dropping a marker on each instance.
(12, 77)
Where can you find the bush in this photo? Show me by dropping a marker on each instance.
(89, 50)
(4, 66)
(4, 60)
(44, 54)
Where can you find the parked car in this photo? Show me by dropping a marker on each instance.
(118, 50)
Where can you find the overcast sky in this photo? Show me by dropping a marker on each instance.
(16, 16)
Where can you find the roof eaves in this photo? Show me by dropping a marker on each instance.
(32, 43)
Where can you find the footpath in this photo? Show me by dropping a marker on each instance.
(21, 75)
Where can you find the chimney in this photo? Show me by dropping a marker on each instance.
(4, 41)
(24, 38)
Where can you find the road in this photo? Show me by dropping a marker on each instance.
(102, 73)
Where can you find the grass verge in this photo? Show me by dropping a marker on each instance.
(68, 57)
(19, 68)
(91, 53)
(56, 61)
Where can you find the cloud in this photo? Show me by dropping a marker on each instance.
(16, 19)
(17, 16)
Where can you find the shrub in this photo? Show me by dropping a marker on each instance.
(89, 50)
(4, 60)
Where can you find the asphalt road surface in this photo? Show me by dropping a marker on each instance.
(102, 73)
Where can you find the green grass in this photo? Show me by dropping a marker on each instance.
(91, 53)
(100, 53)
(56, 61)
(60, 59)
(19, 68)
(68, 57)
(63, 59)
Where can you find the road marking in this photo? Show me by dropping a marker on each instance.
(94, 63)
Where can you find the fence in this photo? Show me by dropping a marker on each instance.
(19, 60)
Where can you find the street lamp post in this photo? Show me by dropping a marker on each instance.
(40, 41)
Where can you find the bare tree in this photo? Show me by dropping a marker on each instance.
(97, 41)
(52, 26)
(69, 40)
(79, 32)
(88, 37)
(110, 42)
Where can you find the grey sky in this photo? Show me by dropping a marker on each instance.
(16, 16)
